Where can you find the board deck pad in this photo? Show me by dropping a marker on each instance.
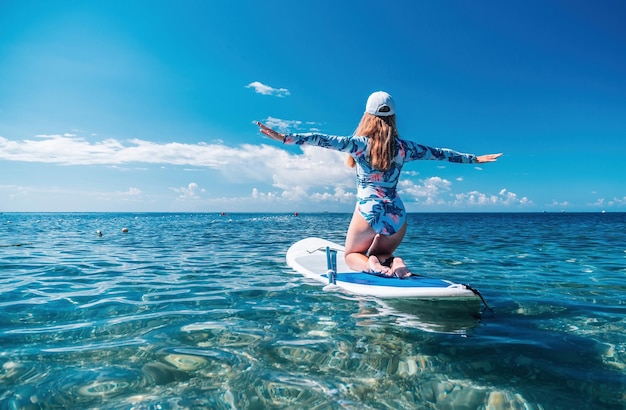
(308, 257)
(369, 279)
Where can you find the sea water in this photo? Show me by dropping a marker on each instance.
(200, 311)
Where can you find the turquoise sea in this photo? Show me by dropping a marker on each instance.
(199, 311)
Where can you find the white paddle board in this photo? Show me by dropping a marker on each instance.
(309, 257)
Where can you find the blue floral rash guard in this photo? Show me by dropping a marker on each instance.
(377, 199)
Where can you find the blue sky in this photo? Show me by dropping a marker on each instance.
(150, 106)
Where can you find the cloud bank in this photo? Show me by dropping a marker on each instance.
(314, 175)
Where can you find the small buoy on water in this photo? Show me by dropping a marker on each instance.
(124, 230)
(99, 232)
(295, 214)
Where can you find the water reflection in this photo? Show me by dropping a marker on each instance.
(437, 316)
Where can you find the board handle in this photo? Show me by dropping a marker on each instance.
(331, 263)
(323, 248)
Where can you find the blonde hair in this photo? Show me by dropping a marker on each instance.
(381, 132)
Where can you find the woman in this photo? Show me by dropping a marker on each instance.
(376, 150)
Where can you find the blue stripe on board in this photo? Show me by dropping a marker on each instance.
(411, 282)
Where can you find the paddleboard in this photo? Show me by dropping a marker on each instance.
(310, 257)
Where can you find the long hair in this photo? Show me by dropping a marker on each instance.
(382, 133)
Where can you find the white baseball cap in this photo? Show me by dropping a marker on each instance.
(380, 104)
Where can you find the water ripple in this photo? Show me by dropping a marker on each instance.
(199, 311)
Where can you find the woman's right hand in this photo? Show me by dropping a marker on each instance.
(270, 132)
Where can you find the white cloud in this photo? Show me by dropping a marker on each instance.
(475, 198)
(557, 204)
(503, 198)
(599, 203)
(282, 126)
(67, 150)
(615, 202)
(132, 194)
(132, 191)
(314, 167)
(426, 193)
(261, 88)
(437, 191)
(191, 191)
(263, 196)
(14, 192)
(287, 126)
(510, 198)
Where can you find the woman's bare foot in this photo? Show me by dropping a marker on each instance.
(399, 269)
(375, 266)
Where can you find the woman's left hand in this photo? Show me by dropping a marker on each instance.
(270, 132)
(487, 158)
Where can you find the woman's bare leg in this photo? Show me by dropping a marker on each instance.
(361, 238)
(358, 240)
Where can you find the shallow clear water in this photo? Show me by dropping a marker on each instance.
(200, 311)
